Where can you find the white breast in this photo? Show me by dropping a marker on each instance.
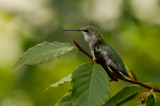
(86, 37)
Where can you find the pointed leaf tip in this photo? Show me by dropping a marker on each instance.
(43, 52)
(62, 81)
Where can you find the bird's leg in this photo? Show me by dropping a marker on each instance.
(97, 50)
(92, 52)
(94, 58)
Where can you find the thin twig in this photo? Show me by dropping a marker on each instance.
(82, 50)
(134, 76)
(142, 84)
(135, 81)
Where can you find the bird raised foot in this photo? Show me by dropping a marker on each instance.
(94, 59)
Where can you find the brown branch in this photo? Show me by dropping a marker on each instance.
(135, 81)
(142, 84)
(134, 76)
(82, 50)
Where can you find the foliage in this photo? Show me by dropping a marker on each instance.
(43, 52)
(90, 85)
(124, 95)
(131, 27)
(65, 100)
(62, 81)
(89, 82)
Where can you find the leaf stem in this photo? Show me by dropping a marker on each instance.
(134, 76)
(135, 81)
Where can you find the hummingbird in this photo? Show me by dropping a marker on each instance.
(103, 53)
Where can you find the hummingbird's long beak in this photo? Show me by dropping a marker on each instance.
(71, 30)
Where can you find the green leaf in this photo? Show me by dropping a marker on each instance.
(43, 52)
(90, 85)
(125, 94)
(131, 101)
(158, 100)
(66, 79)
(128, 99)
(65, 100)
(150, 101)
(62, 81)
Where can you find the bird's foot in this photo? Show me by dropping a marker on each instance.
(94, 59)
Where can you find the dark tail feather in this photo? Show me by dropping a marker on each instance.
(120, 76)
(110, 74)
(126, 74)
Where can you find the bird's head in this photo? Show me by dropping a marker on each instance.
(91, 33)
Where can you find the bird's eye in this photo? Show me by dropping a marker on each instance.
(85, 30)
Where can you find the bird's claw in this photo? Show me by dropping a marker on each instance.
(94, 59)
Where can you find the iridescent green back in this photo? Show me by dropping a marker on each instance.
(114, 55)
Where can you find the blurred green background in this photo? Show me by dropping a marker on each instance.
(132, 27)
